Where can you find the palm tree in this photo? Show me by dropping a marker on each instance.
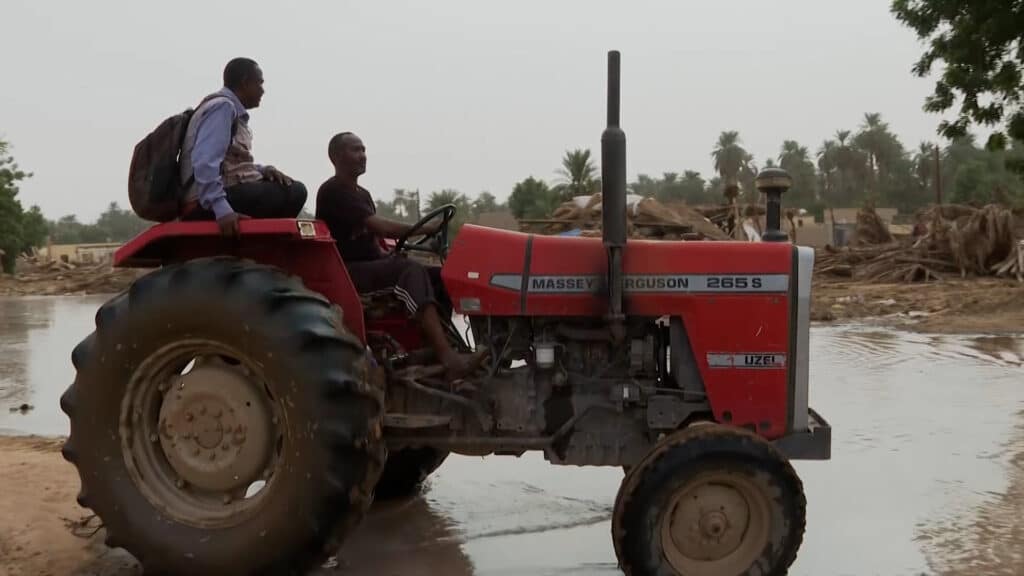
(579, 174)
(924, 165)
(730, 160)
(447, 196)
(693, 187)
(851, 164)
(485, 202)
(827, 167)
(882, 148)
(796, 160)
(748, 178)
(728, 155)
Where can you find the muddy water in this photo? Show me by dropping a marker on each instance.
(928, 449)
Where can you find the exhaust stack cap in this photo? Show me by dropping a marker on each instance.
(773, 183)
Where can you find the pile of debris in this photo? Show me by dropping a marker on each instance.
(38, 276)
(645, 218)
(949, 240)
(871, 229)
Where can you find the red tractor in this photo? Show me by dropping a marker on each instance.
(238, 408)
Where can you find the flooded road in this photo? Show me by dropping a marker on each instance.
(927, 473)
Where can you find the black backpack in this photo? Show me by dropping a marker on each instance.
(155, 189)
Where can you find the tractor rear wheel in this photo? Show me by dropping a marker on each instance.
(405, 470)
(223, 422)
(709, 500)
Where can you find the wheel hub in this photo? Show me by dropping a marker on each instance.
(216, 429)
(708, 523)
(716, 523)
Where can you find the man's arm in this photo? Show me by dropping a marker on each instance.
(213, 137)
(387, 228)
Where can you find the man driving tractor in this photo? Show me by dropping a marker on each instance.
(351, 215)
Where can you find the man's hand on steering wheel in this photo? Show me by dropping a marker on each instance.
(430, 228)
(434, 232)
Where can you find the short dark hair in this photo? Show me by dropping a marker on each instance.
(334, 146)
(238, 70)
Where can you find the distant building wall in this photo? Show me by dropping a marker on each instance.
(79, 253)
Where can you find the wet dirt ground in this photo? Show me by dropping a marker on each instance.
(927, 475)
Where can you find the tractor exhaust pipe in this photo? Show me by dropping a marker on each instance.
(613, 192)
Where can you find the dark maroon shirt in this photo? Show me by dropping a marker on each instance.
(345, 211)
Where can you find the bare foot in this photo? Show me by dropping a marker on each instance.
(458, 366)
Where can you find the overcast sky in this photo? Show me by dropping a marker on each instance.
(468, 94)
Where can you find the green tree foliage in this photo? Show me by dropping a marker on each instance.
(979, 43)
(532, 198)
(12, 233)
(579, 175)
(730, 158)
(120, 225)
(690, 188)
(796, 160)
(34, 229)
(463, 206)
(113, 225)
(696, 190)
(485, 202)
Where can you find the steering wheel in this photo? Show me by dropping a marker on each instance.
(438, 241)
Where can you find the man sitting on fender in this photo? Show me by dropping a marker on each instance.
(217, 151)
(351, 215)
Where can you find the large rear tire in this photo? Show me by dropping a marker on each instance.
(709, 500)
(405, 471)
(203, 381)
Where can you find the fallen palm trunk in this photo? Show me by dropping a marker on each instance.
(971, 241)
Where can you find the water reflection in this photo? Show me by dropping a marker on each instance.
(406, 537)
(1002, 349)
(36, 339)
(18, 316)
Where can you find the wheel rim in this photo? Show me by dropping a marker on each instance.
(716, 523)
(201, 433)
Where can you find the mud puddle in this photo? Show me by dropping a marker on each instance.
(926, 473)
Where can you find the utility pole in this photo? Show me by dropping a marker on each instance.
(938, 178)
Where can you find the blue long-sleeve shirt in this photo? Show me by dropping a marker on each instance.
(213, 136)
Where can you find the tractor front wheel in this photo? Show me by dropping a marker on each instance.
(709, 500)
(223, 422)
